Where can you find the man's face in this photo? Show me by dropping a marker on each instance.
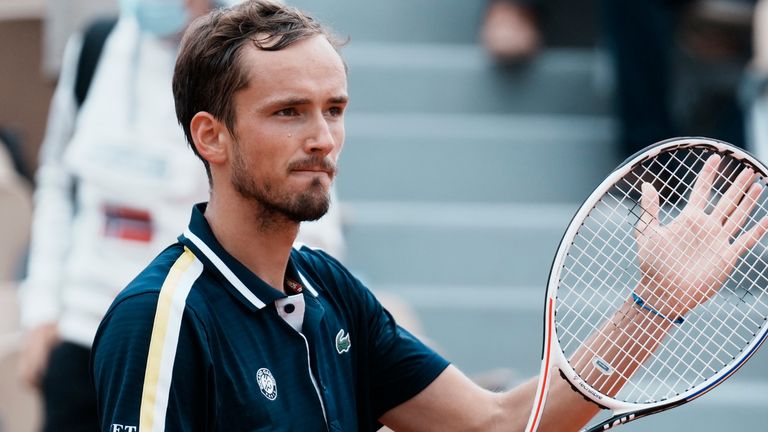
(289, 125)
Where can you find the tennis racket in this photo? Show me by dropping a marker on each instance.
(658, 291)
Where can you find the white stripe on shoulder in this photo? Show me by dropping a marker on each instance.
(234, 280)
(165, 339)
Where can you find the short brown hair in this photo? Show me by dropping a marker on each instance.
(209, 69)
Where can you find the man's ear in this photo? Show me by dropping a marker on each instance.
(210, 137)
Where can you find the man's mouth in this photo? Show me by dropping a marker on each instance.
(323, 166)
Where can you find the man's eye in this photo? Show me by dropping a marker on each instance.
(336, 111)
(287, 112)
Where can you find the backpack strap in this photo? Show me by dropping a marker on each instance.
(93, 43)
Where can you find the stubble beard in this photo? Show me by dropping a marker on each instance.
(309, 205)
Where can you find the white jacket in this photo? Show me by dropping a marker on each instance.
(115, 185)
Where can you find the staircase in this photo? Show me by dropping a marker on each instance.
(459, 177)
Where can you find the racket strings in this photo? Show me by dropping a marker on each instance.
(601, 270)
(723, 186)
(643, 331)
(622, 355)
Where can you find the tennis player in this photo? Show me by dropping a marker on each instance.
(235, 329)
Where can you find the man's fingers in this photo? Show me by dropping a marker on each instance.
(700, 192)
(747, 240)
(731, 197)
(649, 202)
(740, 215)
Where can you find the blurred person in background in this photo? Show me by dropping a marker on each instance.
(645, 41)
(510, 30)
(642, 39)
(754, 90)
(114, 187)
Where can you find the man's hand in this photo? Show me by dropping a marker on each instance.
(37, 346)
(685, 262)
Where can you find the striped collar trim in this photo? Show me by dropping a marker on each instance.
(224, 269)
(231, 277)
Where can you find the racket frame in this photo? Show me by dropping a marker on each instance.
(552, 354)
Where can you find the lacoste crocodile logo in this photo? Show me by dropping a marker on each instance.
(342, 341)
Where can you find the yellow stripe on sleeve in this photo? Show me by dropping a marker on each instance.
(164, 341)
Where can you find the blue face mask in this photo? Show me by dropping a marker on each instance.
(161, 17)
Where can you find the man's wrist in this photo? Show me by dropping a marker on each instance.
(642, 304)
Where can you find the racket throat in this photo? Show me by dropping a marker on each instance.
(612, 422)
(580, 392)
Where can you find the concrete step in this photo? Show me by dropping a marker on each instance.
(474, 158)
(433, 244)
(399, 21)
(461, 78)
(564, 22)
(479, 327)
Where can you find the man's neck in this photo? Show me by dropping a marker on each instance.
(260, 241)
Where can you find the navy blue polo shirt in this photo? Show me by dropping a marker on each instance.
(197, 342)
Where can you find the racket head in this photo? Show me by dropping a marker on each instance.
(575, 307)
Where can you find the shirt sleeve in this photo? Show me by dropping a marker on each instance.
(401, 365)
(53, 201)
(145, 374)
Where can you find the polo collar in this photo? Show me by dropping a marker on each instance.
(200, 239)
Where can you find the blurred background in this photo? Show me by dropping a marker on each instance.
(475, 130)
